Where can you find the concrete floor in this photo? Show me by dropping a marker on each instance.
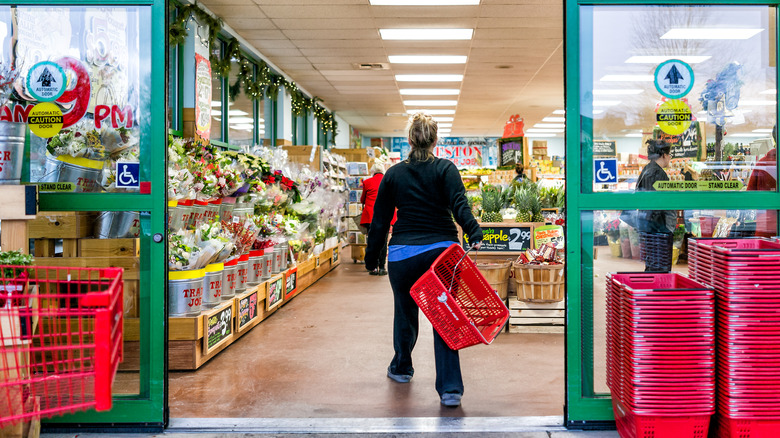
(325, 355)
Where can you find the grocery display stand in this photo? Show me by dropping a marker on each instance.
(358, 172)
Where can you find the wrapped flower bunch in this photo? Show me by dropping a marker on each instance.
(547, 254)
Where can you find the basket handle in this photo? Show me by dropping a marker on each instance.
(455, 269)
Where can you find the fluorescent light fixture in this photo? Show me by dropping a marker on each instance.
(448, 125)
(597, 112)
(627, 78)
(432, 112)
(541, 135)
(549, 125)
(423, 2)
(443, 131)
(747, 134)
(639, 134)
(541, 130)
(766, 130)
(444, 119)
(427, 59)
(234, 120)
(698, 33)
(430, 91)
(243, 126)
(237, 113)
(429, 78)
(757, 102)
(606, 102)
(426, 34)
(559, 112)
(769, 91)
(554, 119)
(652, 59)
(431, 102)
(618, 92)
(216, 103)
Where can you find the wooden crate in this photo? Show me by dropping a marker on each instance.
(91, 247)
(536, 317)
(61, 225)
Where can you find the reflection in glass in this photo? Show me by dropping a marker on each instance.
(620, 247)
(216, 100)
(723, 92)
(241, 128)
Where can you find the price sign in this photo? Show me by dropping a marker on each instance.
(505, 239)
(290, 283)
(275, 292)
(247, 310)
(604, 148)
(219, 328)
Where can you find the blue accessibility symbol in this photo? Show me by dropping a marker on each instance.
(605, 171)
(128, 175)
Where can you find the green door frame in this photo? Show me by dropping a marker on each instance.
(584, 409)
(147, 409)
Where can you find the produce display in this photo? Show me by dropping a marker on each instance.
(491, 204)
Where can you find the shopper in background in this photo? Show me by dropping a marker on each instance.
(656, 226)
(428, 193)
(519, 171)
(764, 177)
(368, 199)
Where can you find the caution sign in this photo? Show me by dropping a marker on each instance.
(46, 81)
(45, 120)
(674, 117)
(698, 186)
(674, 78)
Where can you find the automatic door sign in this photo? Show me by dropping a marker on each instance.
(46, 81)
(674, 117)
(605, 171)
(128, 175)
(674, 79)
(45, 120)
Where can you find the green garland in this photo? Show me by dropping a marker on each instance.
(264, 84)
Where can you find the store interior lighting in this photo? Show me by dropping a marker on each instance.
(765, 130)
(216, 104)
(634, 134)
(748, 134)
(240, 120)
(539, 135)
(432, 112)
(444, 119)
(444, 125)
(657, 59)
(542, 130)
(712, 33)
(431, 102)
(427, 59)
(554, 119)
(618, 92)
(429, 78)
(769, 91)
(752, 102)
(559, 112)
(549, 125)
(423, 2)
(430, 91)
(426, 34)
(627, 78)
(606, 102)
(237, 113)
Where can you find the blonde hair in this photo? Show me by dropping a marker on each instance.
(422, 133)
(377, 168)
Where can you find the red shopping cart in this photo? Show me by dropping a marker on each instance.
(459, 302)
(60, 340)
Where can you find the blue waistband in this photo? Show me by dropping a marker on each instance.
(396, 253)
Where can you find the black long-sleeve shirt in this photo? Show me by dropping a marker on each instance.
(425, 193)
(654, 221)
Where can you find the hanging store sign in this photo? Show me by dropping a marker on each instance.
(202, 97)
(674, 79)
(674, 117)
(464, 152)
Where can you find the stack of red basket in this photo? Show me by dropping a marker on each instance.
(746, 277)
(660, 354)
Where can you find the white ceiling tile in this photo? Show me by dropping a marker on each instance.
(240, 24)
(336, 44)
(226, 11)
(335, 34)
(250, 34)
(500, 34)
(551, 9)
(319, 23)
(316, 11)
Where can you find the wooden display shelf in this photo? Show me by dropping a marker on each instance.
(185, 334)
(527, 317)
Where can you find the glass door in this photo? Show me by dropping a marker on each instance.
(697, 81)
(98, 157)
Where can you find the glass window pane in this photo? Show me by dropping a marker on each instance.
(700, 79)
(89, 72)
(619, 247)
(241, 128)
(216, 99)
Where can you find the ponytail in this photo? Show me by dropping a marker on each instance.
(422, 132)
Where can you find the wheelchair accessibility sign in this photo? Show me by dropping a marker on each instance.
(605, 171)
(128, 175)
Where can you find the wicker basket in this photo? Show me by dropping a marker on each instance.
(497, 274)
(539, 283)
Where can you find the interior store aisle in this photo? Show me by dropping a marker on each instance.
(325, 354)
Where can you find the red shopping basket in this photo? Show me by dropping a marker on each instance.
(60, 340)
(460, 304)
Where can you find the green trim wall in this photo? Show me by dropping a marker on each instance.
(584, 408)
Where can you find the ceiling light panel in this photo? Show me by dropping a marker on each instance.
(627, 78)
(549, 125)
(429, 78)
(444, 119)
(430, 102)
(554, 119)
(560, 112)
(618, 92)
(449, 125)
(432, 112)
(542, 130)
(657, 59)
(426, 34)
(423, 2)
(427, 59)
(710, 34)
(430, 91)
(606, 102)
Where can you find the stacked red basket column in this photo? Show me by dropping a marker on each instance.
(660, 354)
(744, 273)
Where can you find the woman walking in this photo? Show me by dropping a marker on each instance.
(428, 193)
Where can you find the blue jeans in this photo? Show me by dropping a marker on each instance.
(403, 274)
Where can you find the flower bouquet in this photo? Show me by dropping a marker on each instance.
(612, 230)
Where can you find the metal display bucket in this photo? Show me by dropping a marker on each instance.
(175, 220)
(11, 152)
(267, 261)
(226, 209)
(242, 273)
(229, 279)
(276, 261)
(212, 211)
(212, 285)
(285, 250)
(198, 213)
(86, 174)
(117, 225)
(255, 268)
(184, 211)
(185, 292)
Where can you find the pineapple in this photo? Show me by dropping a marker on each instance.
(491, 204)
(522, 204)
(536, 210)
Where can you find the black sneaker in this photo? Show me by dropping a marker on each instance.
(382, 272)
(374, 272)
